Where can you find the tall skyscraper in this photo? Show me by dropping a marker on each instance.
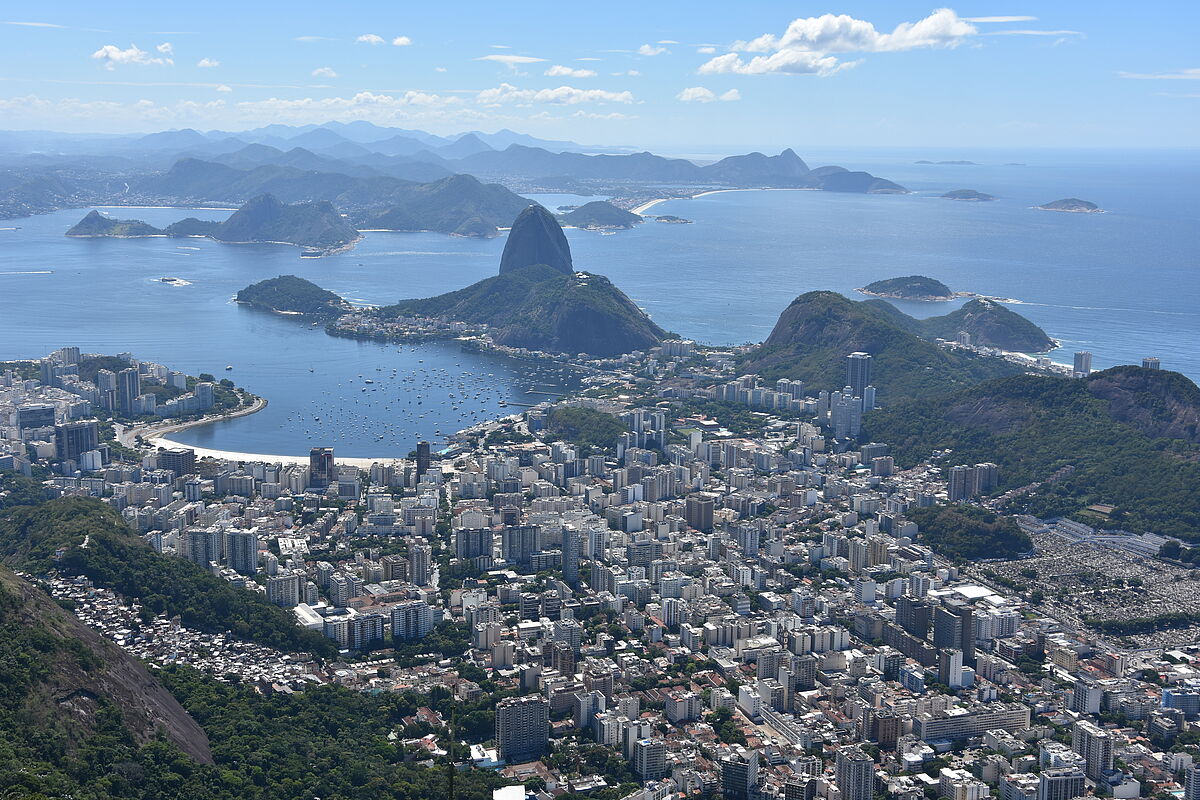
(855, 774)
(1064, 783)
(241, 548)
(698, 511)
(73, 439)
(1191, 783)
(522, 728)
(739, 775)
(518, 543)
(321, 469)
(1083, 364)
(858, 372)
(129, 386)
(423, 459)
(420, 557)
(572, 543)
(1095, 745)
(180, 460)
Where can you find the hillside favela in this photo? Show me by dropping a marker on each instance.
(708, 401)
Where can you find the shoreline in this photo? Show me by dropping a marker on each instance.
(160, 436)
(649, 204)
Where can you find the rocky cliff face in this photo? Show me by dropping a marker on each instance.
(1159, 403)
(536, 238)
(84, 674)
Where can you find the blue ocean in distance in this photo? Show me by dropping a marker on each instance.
(1122, 284)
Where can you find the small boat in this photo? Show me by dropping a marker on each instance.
(228, 367)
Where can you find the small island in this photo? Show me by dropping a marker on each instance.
(317, 226)
(670, 219)
(1072, 205)
(95, 226)
(911, 287)
(600, 215)
(289, 294)
(969, 195)
(947, 163)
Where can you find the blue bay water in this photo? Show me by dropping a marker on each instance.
(1122, 284)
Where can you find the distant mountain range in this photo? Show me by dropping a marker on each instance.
(360, 167)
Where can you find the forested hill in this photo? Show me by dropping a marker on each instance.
(818, 330)
(1131, 434)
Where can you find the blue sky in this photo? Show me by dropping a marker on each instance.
(658, 75)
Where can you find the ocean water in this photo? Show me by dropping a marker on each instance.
(1122, 284)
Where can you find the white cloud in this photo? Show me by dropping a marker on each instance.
(401, 41)
(594, 115)
(589, 58)
(35, 24)
(788, 62)
(1000, 19)
(112, 55)
(696, 94)
(699, 94)
(510, 60)
(1192, 74)
(166, 49)
(370, 38)
(208, 62)
(563, 95)
(806, 45)
(500, 46)
(629, 73)
(324, 72)
(559, 71)
(667, 41)
(651, 50)
(314, 38)
(223, 88)
(706, 50)
(439, 69)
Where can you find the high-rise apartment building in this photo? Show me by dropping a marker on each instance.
(522, 728)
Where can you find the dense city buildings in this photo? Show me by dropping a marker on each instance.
(751, 614)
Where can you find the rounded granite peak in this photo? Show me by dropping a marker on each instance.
(536, 238)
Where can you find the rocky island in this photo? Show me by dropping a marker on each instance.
(911, 287)
(289, 294)
(96, 226)
(968, 195)
(600, 215)
(1072, 205)
(315, 226)
(670, 219)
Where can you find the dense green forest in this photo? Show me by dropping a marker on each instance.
(584, 427)
(114, 558)
(292, 294)
(1033, 425)
(967, 532)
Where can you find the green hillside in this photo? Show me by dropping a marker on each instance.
(289, 293)
(540, 308)
(818, 330)
(1130, 433)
